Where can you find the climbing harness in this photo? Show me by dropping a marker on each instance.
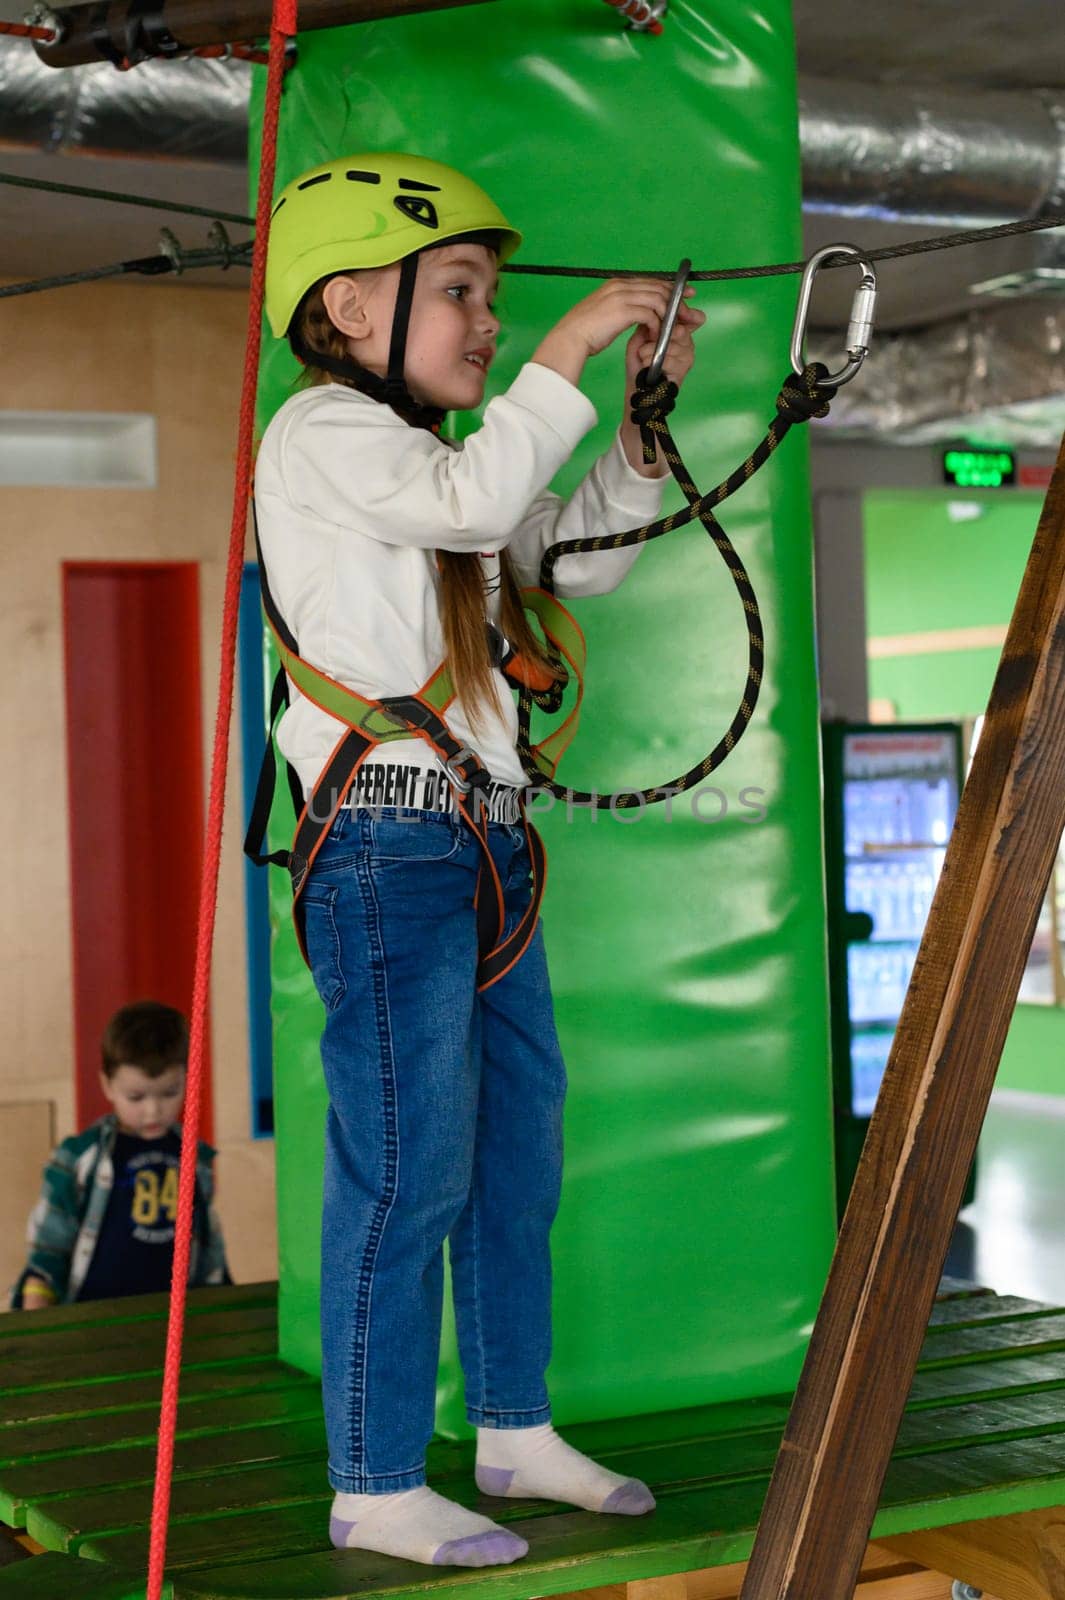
(369, 724)
(806, 392)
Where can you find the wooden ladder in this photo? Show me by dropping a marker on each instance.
(922, 1139)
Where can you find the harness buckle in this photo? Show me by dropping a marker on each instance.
(863, 309)
(465, 771)
(412, 715)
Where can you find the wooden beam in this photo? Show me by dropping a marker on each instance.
(124, 28)
(885, 1575)
(1015, 1558)
(922, 1138)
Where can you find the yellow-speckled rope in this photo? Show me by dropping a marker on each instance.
(801, 397)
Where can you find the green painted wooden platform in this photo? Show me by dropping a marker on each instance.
(983, 1436)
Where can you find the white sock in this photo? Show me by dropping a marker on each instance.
(420, 1525)
(520, 1463)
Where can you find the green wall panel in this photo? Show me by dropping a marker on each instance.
(687, 955)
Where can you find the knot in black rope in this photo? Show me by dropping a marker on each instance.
(805, 395)
(652, 402)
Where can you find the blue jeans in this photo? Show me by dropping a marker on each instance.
(445, 1122)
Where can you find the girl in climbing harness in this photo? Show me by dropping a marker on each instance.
(392, 560)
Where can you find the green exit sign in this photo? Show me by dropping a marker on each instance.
(979, 469)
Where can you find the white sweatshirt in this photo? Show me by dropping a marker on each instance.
(351, 505)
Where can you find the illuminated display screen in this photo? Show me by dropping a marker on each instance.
(979, 469)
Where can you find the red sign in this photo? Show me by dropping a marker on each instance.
(1031, 477)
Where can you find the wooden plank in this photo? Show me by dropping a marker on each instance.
(39, 1441)
(297, 1527)
(73, 1354)
(225, 1350)
(990, 1340)
(261, 1488)
(982, 1309)
(884, 1576)
(924, 1130)
(968, 1379)
(568, 1553)
(933, 1483)
(568, 1550)
(674, 1586)
(138, 1308)
(1016, 1558)
(959, 1288)
(120, 1394)
(32, 1483)
(51, 1577)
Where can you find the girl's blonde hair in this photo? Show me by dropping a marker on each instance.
(462, 594)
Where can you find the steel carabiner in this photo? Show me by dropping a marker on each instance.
(654, 371)
(863, 309)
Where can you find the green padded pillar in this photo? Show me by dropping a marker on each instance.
(687, 951)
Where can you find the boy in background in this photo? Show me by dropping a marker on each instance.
(104, 1225)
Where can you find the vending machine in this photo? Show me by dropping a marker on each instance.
(891, 793)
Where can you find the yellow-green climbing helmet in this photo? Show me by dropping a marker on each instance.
(368, 210)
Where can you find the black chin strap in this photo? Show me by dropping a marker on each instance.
(391, 391)
(395, 384)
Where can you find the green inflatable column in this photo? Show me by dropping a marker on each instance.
(687, 947)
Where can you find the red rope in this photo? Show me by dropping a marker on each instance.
(283, 26)
(22, 30)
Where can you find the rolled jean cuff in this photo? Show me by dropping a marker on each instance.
(508, 1419)
(375, 1482)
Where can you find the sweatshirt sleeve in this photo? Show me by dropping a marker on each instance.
(403, 486)
(613, 498)
(53, 1225)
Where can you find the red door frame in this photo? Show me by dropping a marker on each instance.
(135, 785)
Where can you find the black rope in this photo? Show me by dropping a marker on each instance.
(945, 241)
(800, 398)
(148, 266)
(125, 199)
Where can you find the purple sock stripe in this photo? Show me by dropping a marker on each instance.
(494, 1480)
(630, 1500)
(481, 1550)
(339, 1530)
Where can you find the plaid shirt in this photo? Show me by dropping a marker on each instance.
(65, 1223)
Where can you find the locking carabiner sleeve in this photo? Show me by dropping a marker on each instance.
(863, 309)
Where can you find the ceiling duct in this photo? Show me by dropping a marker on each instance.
(950, 158)
(995, 376)
(193, 111)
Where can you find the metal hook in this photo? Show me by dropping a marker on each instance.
(217, 236)
(654, 371)
(863, 308)
(170, 246)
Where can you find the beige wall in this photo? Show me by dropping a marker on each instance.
(177, 353)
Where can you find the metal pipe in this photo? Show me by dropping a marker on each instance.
(952, 158)
(992, 374)
(195, 111)
(131, 30)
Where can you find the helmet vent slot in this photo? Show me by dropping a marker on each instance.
(363, 177)
(309, 183)
(417, 210)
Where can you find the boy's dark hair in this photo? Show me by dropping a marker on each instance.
(147, 1035)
